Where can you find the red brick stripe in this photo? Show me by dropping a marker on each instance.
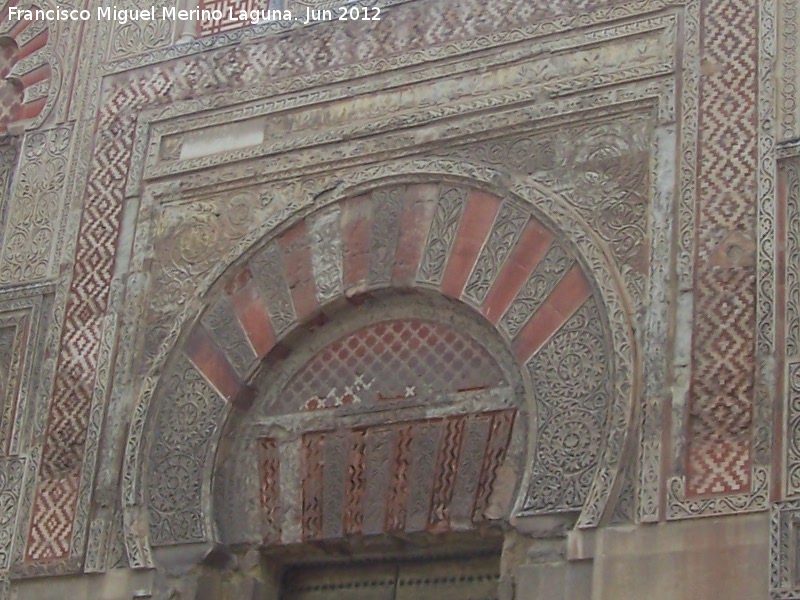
(254, 317)
(526, 255)
(420, 201)
(356, 223)
(212, 363)
(37, 43)
(475, 225)
(569, 294)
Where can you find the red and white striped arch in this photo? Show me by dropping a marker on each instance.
(368, 245)
(523, 266)
(26, 69)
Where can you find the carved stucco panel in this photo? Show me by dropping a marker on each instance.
(37, 203)
(609, 161)
(788, 80)
(570, 378)
(326, 255)
(183, 434)
(656, 331)
(446, 217)
(791, 173)
(368, 108)
(12, 471)
(136, 36)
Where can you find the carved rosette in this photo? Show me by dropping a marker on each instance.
(571, 382)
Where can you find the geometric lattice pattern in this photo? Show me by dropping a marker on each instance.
(51, 528)
(228, 8)
(722, 385)
(57, 494)
(394, 359)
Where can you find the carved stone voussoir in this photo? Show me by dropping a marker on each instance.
(37, 203)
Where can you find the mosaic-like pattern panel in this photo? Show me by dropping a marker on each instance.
(723, 374)
(428, 475)
(393, 360)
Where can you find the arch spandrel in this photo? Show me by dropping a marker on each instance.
(330, 246)
(373, 364)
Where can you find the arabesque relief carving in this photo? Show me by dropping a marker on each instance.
(33, 214)
(542, 130)
(292, 253)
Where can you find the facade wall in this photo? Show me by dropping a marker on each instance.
(604, 197)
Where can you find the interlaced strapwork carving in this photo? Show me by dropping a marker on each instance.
(227, 8)
(174, 492)
(392, 360)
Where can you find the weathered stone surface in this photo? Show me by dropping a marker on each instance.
(384, 286)
(684, 560)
